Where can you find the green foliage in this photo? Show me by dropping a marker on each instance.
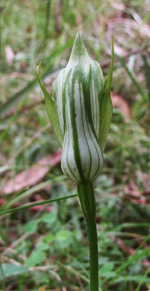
(10, 270)
(107, 270)
(35, 258)
(31, 226)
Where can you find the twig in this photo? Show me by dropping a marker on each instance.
(10, 250)
(18, 241)
(42, 268)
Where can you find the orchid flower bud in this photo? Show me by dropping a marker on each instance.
(78, 91)
(83, 114)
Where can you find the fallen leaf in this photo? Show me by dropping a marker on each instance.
(33, 174)
(121, 104)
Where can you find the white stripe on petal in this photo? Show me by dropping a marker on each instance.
(79, 114)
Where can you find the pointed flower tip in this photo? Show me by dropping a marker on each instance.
(78, 36)
(78, 49)
(78, 42)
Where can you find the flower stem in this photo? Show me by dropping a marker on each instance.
(87, 200)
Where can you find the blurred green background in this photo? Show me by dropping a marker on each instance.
(45, 247)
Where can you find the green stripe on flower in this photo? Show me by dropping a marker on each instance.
(78, 90)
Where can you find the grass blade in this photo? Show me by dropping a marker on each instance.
(37, 203)
(147, 75)
(139, 89)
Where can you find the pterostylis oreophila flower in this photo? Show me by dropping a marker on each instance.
(80, 115)
(78, 92)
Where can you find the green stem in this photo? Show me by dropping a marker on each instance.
(87, 200)
(47, 18)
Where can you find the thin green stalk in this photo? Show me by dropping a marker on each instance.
(87, 200)
(35, 204)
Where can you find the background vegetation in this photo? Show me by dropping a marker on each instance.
(45, 247)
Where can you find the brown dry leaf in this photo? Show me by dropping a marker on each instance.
(121, 104)
(9, 55)
(32, 175)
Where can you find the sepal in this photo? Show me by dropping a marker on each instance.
(106, 106)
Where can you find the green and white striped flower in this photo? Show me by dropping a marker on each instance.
(80, 114)
(78, 91)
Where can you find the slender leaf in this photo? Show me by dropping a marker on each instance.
(51, 110)
(106, 106)
(73, 271)
(35, 204)
(147, 74)
(132, 259)
(21, 195)
(136, 84)
(132, 278)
